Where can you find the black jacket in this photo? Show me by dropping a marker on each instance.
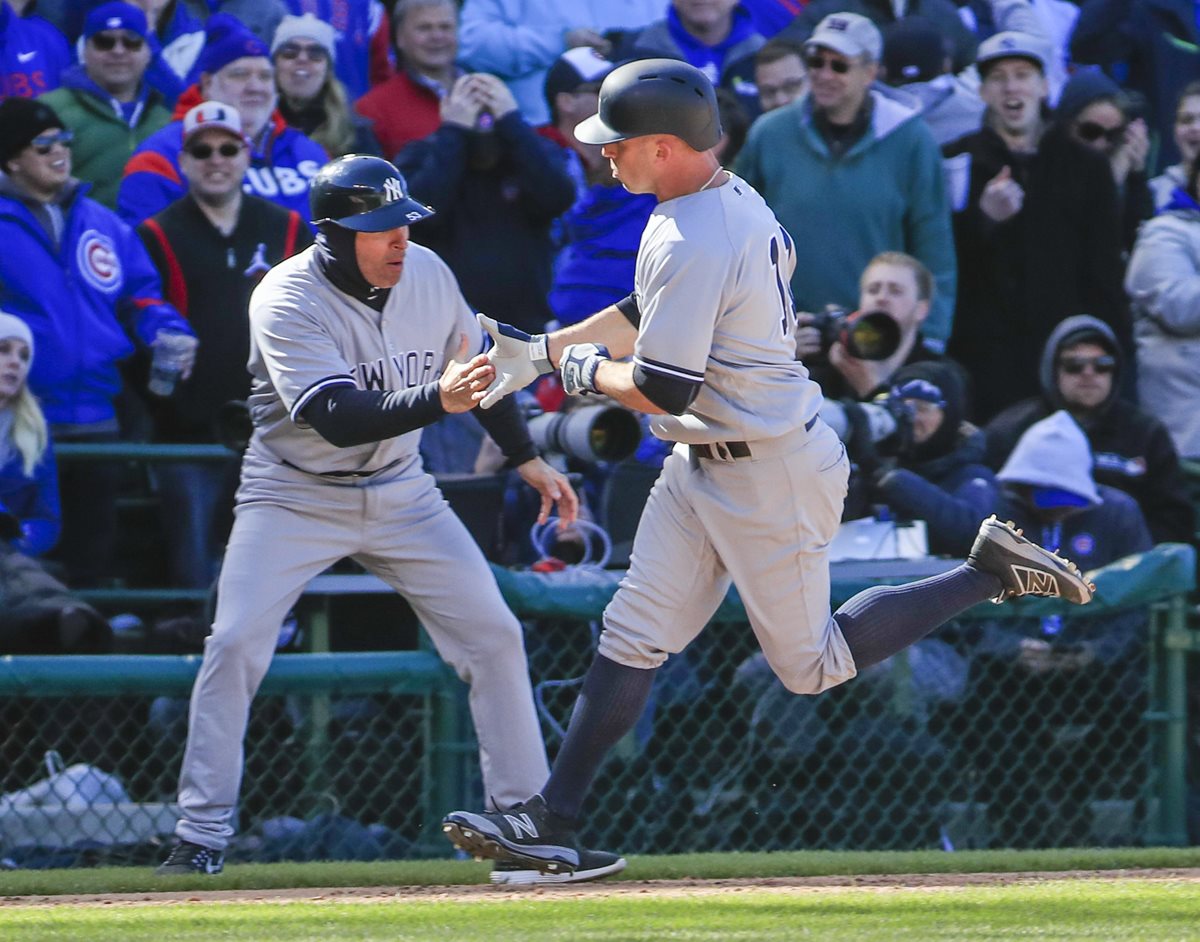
(1059, 256)
(1133, 451)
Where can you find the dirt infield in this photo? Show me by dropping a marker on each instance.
(601, 889)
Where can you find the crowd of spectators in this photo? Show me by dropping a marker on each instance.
(1016, 184)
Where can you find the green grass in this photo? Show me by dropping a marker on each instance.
(1112, 911)
(704, 866)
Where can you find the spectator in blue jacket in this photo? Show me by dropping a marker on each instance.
(76, 275)
(33, 53)
(235, 69)
(37, 614)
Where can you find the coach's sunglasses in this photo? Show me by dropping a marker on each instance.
(44, 143)
(107, 42)
(312, 53)
(204, 151)
(1076, 365)
(1092, 131)
(817, 63)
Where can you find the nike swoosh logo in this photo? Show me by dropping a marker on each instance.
(26, 56)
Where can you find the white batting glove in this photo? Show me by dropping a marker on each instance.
(519, 359)
(578, 364)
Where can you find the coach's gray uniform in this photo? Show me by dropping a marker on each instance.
(303, 504)
(711, 286)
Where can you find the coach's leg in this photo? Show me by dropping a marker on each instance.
(674, 584)
(422, 549)
(273, 552)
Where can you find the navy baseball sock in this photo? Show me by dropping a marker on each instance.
(610, 703)
(882, 620)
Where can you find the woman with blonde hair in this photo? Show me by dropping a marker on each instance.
(311, 98)
(37, 613)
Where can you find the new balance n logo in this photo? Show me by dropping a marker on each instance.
(1036, 582)
(522, 825)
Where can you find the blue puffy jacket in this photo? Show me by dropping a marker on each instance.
(33, 500)
(75, 299)
(279, 172)
(33, 55)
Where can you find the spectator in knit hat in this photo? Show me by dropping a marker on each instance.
(81, 280)
(1097, 113)
(361, 39)
(106, 101)
(312, 98)
(915, 60)
(235, 69)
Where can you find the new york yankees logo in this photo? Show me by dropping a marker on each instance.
(393, 190)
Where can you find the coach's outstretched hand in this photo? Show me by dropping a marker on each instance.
(519, 359)
(554, 488)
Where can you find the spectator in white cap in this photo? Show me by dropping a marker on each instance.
(311, 96)
(864, 161)
(1036, 226)
(211, 248)
(944, 14)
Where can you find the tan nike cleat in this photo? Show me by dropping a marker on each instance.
(1024, 568)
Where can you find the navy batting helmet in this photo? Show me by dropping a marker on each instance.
(654, 96)
(366, 194)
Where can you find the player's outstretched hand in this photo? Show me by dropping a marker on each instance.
(554, 488)
(519, 359)
(465, 380)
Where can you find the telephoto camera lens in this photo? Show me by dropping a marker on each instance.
(589, 434)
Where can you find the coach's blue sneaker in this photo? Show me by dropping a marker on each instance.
(186, 857)
(528, 833)
(593, 865)
(1024, 568)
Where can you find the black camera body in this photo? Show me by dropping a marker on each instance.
(869, 335)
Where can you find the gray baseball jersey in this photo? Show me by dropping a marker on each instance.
(760, 505)
(303, 504)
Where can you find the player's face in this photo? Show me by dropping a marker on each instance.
(14, 367)
(632, 162)
(1013, 91)
(1187, 128)
(247, 84)
(44, 166)
(380, 255)
(1090, 386)
(214, 163)
(893, 289)
(301, 66)
(838, 84)
(780, 82)
(428, 38)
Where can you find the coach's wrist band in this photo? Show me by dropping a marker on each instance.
(538, 353)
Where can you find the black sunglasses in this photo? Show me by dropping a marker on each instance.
(204, 151)
(817, 63)
(295, 51)
(44, 143)
(1076, 365)
(1091, 131)
(106, 42)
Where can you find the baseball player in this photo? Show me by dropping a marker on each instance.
(356, 343)
(752, 492)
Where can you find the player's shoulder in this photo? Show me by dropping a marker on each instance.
(294, 277)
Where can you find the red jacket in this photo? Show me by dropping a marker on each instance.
(401, 110)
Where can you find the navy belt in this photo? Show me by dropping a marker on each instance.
(732, 451)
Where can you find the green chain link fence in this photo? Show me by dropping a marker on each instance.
(356, 756)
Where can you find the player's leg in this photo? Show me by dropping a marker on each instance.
(273, 551)
(674, 584)
(420, 547)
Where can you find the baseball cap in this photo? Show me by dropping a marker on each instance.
(116, 15)
(913, 51)
(1011, 45)
(848, 33)
(573, 68)
(21, 120)
(213, 114)
(305, 27)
